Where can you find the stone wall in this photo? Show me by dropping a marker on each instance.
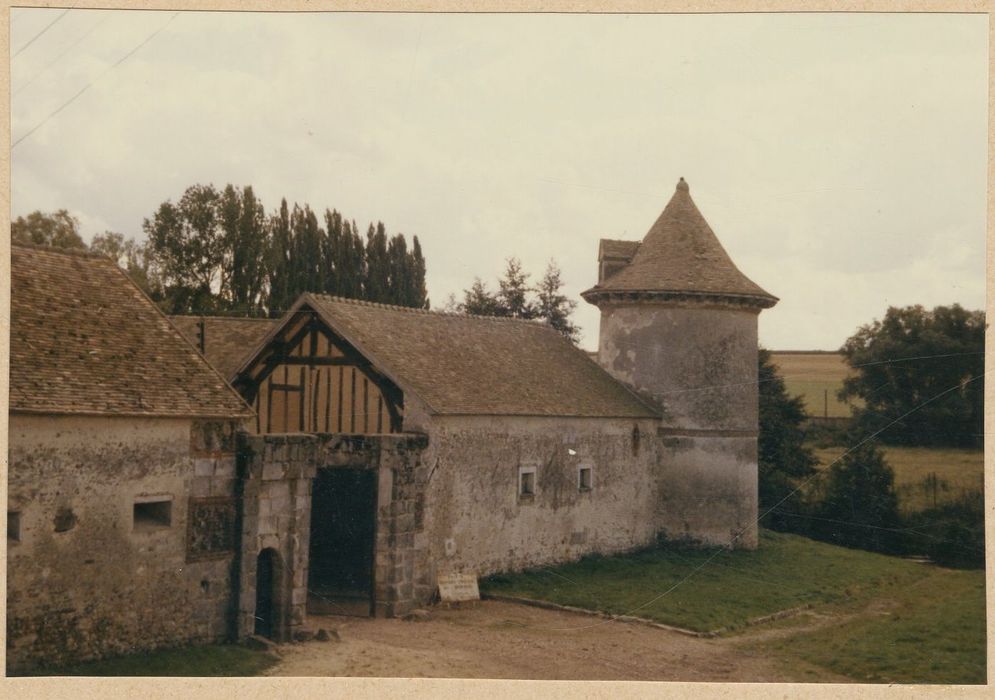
(477, 521)
(276, 475)
(278, 472)
(710, 490)
(699, 363)
(85, 579)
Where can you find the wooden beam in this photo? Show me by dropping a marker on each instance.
(393, 396)
(318, 361)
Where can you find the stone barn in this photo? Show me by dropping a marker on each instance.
(404, 444)
(385, 446)
(121, 471)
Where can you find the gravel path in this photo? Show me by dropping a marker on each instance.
(493, 639)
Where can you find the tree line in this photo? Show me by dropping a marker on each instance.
(919, 378)
(219, 252)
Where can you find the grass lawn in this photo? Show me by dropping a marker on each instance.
(956, 470)
(932, 631)
(931, 628)
(811, 376)
(210, 660)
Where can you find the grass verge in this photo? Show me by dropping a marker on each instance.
(209, 660)
(932, 631)
(727, 588)
(900, 620)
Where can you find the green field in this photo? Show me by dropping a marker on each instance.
(889, 619)
(816, 377)
(956, 471)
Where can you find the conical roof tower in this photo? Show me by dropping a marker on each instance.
(681, 257)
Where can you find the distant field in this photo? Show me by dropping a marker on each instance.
(816, 377)
(956, 471)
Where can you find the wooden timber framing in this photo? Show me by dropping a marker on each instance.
(308, 379)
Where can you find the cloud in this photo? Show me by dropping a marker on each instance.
(840, 158)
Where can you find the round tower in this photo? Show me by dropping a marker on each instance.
(679, 325)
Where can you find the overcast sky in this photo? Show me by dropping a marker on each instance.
(841, 159)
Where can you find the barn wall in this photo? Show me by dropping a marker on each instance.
(475, 519)
(82, 581)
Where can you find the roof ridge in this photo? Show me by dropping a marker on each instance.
(225, 318)
(74, 252)
(538, 323)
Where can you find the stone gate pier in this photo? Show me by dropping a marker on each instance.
(276, 476)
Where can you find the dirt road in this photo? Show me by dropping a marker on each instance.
(503, 640)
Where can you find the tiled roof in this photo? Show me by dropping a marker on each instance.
(612, 249)
(681, 255)
(227, 341)
(85, 340)
(473, 365)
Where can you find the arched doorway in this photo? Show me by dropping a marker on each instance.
(267, 594)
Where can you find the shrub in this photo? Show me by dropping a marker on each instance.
(951, 534)
(858, 505)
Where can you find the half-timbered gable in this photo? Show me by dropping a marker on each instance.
(307, 378)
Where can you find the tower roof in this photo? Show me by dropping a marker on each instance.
(680, 256)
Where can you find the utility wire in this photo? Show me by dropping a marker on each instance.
(92, 82)
(35, 37)
(55, 60)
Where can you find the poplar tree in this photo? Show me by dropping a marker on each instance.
(377, 283)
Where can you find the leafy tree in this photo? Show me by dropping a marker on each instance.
(186, 248)
(59, 230)
(244, 242)
(399, 272)
(859, 506)
(307, 261)
(280, 298)
(354, 260)
(417, 292)
(131, 256)
(783, 460)
(516, 299)
(922, 369)
(479, 301)
(514, 290)
(553, 306)
(376, 286)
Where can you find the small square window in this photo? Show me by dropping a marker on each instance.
(584, 479)
(152, 513)
(526, 482)
(14, 525)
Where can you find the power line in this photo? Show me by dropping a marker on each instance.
(59, 57)
(92, 82)
(35, 37)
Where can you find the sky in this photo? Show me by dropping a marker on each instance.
(840, 159)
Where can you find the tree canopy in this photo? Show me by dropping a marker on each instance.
(58, 229)
(218, 252)
(918, 374)
(516, 298)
